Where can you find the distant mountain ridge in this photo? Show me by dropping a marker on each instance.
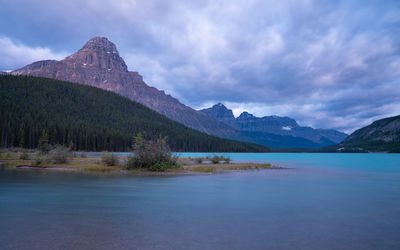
(98, 64)
(284, 126)
(380, 136)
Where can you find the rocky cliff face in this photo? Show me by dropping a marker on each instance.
(273, 125)
(99, 64)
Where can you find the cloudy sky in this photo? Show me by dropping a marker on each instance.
(328, 64)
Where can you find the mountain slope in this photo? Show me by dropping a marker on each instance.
(93, 119)
(98, 64)
(381, 135)
(274, 125)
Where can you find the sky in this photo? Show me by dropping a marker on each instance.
(327, 64)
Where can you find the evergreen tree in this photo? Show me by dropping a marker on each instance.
(43, 144)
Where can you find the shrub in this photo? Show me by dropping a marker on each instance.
(151, 155)
(131, 163)
(227, 159)
(215, 159)
(59, 155)
(40, 159)
(43, 144)
(198, 160)
(24, 156)
(159, 166)
(109, 159)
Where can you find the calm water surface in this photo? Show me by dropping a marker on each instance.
(326, 201)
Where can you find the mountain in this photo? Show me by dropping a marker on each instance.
(221, 113)
(257, 127)
(380, 136)
(99, 64)
(92, 118)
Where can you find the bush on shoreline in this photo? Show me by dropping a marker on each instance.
(217, 159)
(56, 155)
(151, 155)
(59, 154)
(39, 160)
(24, 156)
(109, 159)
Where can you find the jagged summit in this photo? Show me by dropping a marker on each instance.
(246, 115)
(99, 52)
(221, 113)
(100, 42)
(219, 105)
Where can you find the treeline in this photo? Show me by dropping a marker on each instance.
(372, 146)
(91, 119)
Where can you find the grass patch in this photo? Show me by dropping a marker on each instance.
(24, 156)
(10, 156)
(217, 168)
(203, 169)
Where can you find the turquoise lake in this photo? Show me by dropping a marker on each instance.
(322, 201)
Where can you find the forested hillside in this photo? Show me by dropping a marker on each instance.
(91, 119)
(380, 136)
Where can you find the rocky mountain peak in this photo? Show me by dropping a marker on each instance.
(99, 53)
(219, 111)
(219, 105)
(99, 44)
(246, 115)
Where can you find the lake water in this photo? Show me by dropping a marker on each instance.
(325, 201)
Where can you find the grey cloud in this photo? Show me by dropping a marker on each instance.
(326, 63)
